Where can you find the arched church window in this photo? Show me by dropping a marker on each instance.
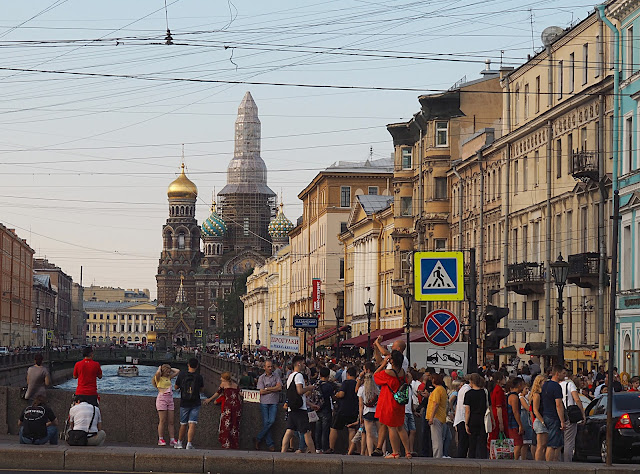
(181, 240)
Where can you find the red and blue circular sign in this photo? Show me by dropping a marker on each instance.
(441, 327)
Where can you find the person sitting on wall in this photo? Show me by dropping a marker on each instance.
(37, 423)
(86, 417)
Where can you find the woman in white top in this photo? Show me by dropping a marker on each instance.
(368, 392)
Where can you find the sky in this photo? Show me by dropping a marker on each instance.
(95, 107)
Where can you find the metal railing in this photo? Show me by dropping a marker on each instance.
(585, 164)
(525, 272)
(584, 264)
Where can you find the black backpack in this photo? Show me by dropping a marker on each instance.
(294, 399)
(189, 390)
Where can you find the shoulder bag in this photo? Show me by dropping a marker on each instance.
(80, 437)
(572, 412)
(488, 418)
(401, 396)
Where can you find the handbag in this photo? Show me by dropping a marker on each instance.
(502, 448)
(572, 412)
(401, 396)
(488, 418)
(80, 437)
(313, 416)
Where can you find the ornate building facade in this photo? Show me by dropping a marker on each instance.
(190, 279)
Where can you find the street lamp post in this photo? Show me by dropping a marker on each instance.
(338, 312)
(407, 298)
(369, 307)
(249, 334)
(560, 271)
(257, 332)
(283, 320)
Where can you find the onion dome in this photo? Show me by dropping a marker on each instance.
(280, 227)
(214, 226)
(182, 187)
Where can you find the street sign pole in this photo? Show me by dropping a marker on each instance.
(473, 331)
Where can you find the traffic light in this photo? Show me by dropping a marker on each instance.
(495, 334)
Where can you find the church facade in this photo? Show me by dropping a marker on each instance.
(199, 263)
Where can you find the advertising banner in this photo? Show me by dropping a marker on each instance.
(316, 294)
(284, 343)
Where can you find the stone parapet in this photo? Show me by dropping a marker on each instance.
(134, 459)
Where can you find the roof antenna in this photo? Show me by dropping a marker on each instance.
(501, 55)
(167, 39)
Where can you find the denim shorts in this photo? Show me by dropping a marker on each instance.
(189, 414)
(409, 422)
(539, 427)
(556, 435)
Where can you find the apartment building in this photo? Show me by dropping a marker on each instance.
(119, 322)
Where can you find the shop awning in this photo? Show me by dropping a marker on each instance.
(361, 340)
(415, 336)
(505, 350)
(328, 333)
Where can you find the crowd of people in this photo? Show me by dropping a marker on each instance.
(375, 401)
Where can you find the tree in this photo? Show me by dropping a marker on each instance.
(232, 309)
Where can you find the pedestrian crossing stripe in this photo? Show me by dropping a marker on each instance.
(438, 276)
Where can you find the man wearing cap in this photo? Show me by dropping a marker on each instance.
(87, 371)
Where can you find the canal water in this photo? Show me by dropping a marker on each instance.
(111, 383)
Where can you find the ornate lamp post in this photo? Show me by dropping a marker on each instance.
(407, 298)
(257, 332)
(369, 307)
(249, 334)
(283, 320)
(338, 312)
(560, 271)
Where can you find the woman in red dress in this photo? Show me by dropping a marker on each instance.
(389, 412)
(498, 406)
(229, 430)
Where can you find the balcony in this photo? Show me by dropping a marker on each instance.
(584, 269)
(526, 278)
(585, 165)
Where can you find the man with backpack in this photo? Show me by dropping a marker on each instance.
(190, 384)
(348, 409)
(298, 419)
(320, 399)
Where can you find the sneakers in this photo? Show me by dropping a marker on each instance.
(190, 446)
(162, 442)
(178, 444)
(173, 442)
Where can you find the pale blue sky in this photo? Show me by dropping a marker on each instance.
(85, 160)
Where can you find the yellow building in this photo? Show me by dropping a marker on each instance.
(118, 323)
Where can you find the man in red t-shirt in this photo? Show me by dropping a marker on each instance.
(87, 371)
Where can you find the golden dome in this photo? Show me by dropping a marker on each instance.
(182, 187)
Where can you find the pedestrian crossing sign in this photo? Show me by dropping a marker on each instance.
(439, 276)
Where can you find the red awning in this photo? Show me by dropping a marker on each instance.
(416, 336)
(327, 334)
(361, 340)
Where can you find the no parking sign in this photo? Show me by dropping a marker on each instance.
(441, 327)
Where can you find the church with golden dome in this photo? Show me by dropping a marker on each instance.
(199, 263)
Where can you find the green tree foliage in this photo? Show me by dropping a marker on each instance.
(232, 309)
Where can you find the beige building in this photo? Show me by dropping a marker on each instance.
(119, 322)
(107, 294)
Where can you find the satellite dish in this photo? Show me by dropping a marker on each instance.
(550, 34)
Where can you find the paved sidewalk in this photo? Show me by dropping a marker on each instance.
(118, 458)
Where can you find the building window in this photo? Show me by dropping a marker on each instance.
(558, 158)
(516, 109)
(181, 240)
(406, 158)
(246, 227)
(598, 55)
(373, 190)
(405, 206)
(342, 269)
(572, 71)
(628, 144)
(535, 310)
(526, 101)
(570, 151)
(440, 244)
(585, 62)
(345, 196)
(343, 227)
(525, 173)
(560, 78)
(442, 133)
(516, 177)
(115, 326)
(441, 188)
(537, 94)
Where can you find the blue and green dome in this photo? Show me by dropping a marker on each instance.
(280, 227)
(214, 226)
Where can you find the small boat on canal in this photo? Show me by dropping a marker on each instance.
(128, 371)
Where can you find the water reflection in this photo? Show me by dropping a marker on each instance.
(111, 383)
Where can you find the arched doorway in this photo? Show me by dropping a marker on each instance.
(629, 363)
